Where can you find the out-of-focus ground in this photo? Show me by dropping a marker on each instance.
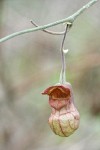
(30, 63)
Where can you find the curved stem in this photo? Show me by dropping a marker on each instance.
(63, 70)
(70, 19)
(47, 31)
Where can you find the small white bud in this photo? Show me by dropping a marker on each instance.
(65, 51)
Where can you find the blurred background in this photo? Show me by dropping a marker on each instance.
(31, 62)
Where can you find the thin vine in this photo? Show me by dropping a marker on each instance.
(70, 19)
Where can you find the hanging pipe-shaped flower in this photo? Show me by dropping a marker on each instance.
(64, 119)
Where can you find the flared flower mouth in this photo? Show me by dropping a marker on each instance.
(57, 92)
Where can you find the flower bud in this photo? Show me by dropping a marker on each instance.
(64, 119)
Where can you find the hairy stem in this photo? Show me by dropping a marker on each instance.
(69, 19)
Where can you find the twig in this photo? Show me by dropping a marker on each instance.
(47, 31)
(70, 19)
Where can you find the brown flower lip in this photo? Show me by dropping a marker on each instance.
(57, 92)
